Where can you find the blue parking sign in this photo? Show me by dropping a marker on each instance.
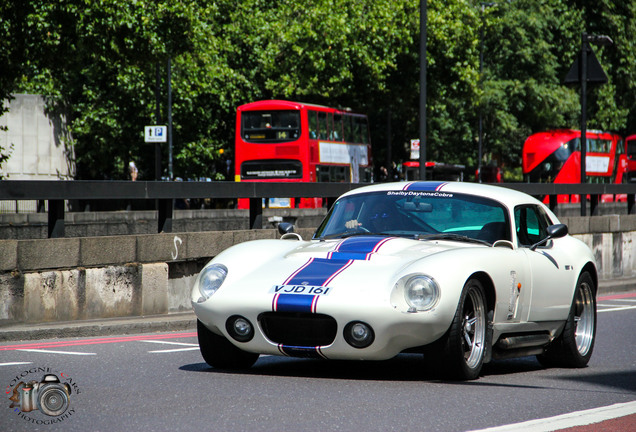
(155, 133)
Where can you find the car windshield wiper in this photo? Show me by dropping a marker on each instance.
(451, 236)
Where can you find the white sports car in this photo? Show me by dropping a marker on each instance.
(461, 272)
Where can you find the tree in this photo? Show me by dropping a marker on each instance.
(96, 60)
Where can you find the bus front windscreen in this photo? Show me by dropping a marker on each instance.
(270, 126)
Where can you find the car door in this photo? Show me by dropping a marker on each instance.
(550, 274)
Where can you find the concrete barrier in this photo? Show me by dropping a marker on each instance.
(612, 238)
(104, 277)
(88, 278)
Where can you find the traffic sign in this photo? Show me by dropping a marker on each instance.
(595, 72)
(155, 134)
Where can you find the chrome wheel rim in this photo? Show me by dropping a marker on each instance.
(473, 328)
(584, 318)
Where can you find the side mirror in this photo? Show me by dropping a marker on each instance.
(285, 228)
(554, 231)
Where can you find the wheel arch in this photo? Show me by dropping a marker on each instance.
(489, 288)
(491, 300)
(591, 269)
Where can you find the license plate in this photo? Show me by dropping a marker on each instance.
(300, 289)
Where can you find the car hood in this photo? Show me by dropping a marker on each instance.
(359, 260)
(376, 248)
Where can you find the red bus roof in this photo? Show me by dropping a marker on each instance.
(280, 104)
(277, 104)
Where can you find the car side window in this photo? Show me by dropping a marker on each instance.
(532, 224)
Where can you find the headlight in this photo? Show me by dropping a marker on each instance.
(211, 279)
(421, 292)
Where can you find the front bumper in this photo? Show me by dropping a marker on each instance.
(320, 332)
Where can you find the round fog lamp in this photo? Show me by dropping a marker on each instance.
(358, 334)
(239, 328)
(242, 327)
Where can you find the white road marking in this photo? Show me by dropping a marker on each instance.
(578, 418)
(617, 309)
(14, 363)
(56, 352)
(174, 350)
(170, 343)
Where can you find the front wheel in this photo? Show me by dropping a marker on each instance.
(220, 353)
(465, 344)
(573, 348)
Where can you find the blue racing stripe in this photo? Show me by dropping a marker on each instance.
(358, 248)
(298, 351)
(317, 272)
(362, 245)
(348, 256)
(294, 303)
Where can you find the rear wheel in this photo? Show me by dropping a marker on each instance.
(573, 348)
(465, 344)
(220, 353)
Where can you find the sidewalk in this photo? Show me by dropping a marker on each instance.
(172, 322)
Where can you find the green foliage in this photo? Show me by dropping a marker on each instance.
(97, 60)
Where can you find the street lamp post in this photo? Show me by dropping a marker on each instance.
(587, 69)
(481, 69)
(423, 18)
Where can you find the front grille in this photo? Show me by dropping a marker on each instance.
(298, 329)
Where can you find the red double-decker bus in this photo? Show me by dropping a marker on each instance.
(630, 158)
(555, 157)
(286, 141)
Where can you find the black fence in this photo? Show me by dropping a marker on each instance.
(164, 193)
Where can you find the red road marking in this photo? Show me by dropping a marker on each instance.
(617, 296)
(94, 341)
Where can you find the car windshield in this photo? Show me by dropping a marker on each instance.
(421, 215)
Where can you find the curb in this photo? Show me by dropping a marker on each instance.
(102, 327)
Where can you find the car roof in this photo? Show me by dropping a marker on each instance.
(506, 196)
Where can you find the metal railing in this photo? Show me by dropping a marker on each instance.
(57, 192)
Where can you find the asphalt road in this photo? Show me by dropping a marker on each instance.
(159, 382)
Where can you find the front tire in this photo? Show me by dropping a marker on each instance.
(465, 345)
(573, 348)
(220, 353)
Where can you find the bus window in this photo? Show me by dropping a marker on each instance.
(332, 173)
(322, 125)
(348, 128)
(336, 134)
(355, 130)
(270, 126)
(313, 124)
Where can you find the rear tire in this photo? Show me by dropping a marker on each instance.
(465, 344)
(573, 348)
(220, 353)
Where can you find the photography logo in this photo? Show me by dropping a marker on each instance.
(45, 400)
